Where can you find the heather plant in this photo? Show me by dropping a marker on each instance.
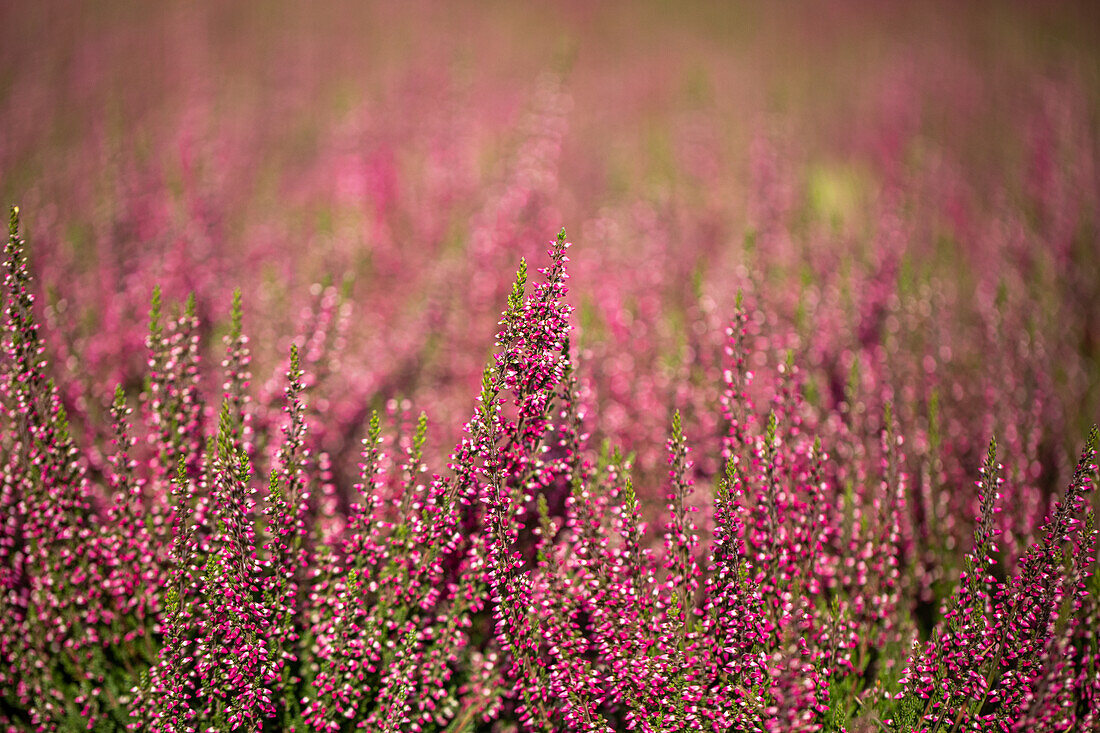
(519, 585)
(258, 473)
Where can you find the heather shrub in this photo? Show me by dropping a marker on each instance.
(799, 448)
(177, 589)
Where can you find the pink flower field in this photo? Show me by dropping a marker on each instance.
(487, 367)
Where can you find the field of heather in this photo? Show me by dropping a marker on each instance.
(487, 367)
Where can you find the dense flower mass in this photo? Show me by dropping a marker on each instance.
(447, 601)
(795, 438)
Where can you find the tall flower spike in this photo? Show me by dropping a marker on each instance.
(237, 374)
(58, 587)
(492, 463)
(681, 540)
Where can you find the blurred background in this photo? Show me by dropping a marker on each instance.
(905, 192)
